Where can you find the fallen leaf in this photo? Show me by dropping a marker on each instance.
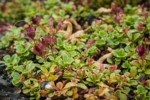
(101, 92)
(69, 85)
(59, 85)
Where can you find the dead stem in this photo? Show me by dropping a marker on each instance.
(103, 58)
(69, 28)
(75, 35)
(103, 10)
(77, 26)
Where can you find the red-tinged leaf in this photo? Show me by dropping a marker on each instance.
(4, 28)
(101, 67)
(126, 29)
(140, 27)
(112, 68)
(118, 16)
(30, 32)
(48, 40)
(141, 50)
(43, 93)
(90, 60)
(45, 41)
(59, 25)
(145, 15)
(90, 43)
(114, 7)
(50, 22)
(52, 40)
(39, 49)
(144, 82)
(35, 20)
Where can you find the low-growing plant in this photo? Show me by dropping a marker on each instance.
(57, 55)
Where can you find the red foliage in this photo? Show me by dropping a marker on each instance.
(4, 28)
(59, 25)
(141, 50)
(140, 27)
(30, 32)
(144, 82)
(48, 40)
(118, 16)
(112, 68)
(90, 43)
(50, 22)
(35, 20)
(39, 49)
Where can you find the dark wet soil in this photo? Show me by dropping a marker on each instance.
(7, 90)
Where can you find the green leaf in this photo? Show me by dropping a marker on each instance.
(51, 94)
(44, 70)
(133, 70)
(40, 59)
(19, 68)
(73, 53)
(100, 42)
(69, 85)
(117, 93)
(45, 19)
(20, 49)
(120, 95)
(117, 61)
(92, 50)
(51, 58)
(141, 89)
(133, 82)
(123, 96)
(27, 83)
(29, 67)
(69, 93)
(82, 86)
(109, 60)
(113, 78)
(59, 42)
(67, 59)
(7, 58)
(52, 69)
(16, 78)
(126, 90)
(69, 47)
(120, 53)
(25, 91)
(126, 64)
(136, 36)
(147, 97)
(147, 71)
(15, 59)
(148, 56)
(5, 42)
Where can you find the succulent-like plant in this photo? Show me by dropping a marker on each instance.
(73, 51)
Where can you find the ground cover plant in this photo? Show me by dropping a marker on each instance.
(64, 50)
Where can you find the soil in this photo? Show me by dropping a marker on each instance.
(7, 90)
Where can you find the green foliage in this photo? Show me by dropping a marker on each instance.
(45, 62)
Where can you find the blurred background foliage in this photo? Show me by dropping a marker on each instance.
(16, 10)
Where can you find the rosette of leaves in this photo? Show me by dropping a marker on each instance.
(120, 54)
(12, 34)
